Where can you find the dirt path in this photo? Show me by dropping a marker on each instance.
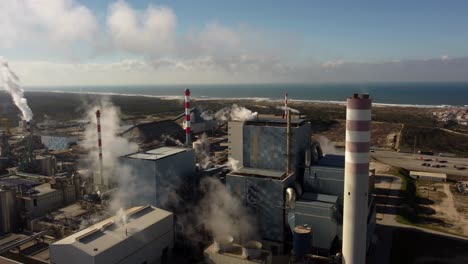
(448, 209)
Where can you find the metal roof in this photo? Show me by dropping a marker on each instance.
(331, 160)
(104, 235)
(244, 171)
(158, 153)
(428, 174)
(319, 197)
(275, 121)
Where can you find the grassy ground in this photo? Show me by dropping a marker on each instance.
(433, 139)
(417, 198)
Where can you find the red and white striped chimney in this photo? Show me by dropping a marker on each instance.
(187, 117)
(98, 118)
(356, 185)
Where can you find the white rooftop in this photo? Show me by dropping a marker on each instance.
(106, 234)
(158, 153)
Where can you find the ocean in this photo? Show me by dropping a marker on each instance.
(417, 94)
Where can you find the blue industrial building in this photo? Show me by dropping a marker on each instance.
(311, 194)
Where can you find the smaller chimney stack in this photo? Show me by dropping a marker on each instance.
(98, 118)
(187, 118)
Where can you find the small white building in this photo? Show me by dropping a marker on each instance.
(431, 176)
(147, 237)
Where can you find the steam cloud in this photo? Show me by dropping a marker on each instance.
(113, 146)
(222, 214)
(288, 108)
(202, 153)
(234, 113)
(13, 87)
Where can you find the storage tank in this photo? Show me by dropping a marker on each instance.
(8, 210)
(251, 249)
(302, 241)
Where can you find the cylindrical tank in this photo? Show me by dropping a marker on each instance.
(251, 249)
(302, 241)
(223, 243)
(9, 210)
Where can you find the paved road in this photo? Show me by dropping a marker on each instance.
(413, 162)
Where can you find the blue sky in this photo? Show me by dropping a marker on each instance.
(213, 41)
(361, 30)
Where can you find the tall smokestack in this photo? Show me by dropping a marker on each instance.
(285, 105)
(288, 141)
(358, 121)
(101, 175)
(187, 117)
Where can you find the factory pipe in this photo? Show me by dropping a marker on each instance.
(358, 121)
(98, 118)
(285, 105)
(288, 141)
(187, 117)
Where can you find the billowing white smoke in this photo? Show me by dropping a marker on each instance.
(222, 213)
(288, 108)
(12, 86)
(328, 147)
(233, 164)
(234, 113)
(113, 146)
(202, 152)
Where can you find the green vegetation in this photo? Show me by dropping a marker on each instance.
(409, 214)
(433, 139)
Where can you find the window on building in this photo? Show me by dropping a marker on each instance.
(35, 202)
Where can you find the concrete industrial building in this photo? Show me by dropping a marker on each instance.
(431, 176)
(311, 194)
(147, 236)
(163, 171)
(34, 196)
(236, 254)
(262, 144)
(58, 142)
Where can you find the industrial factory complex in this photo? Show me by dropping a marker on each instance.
(189, 189)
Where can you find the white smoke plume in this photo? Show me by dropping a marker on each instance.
(202, 152)
(328, 147)
(222, 213)
(233, 164)
(235, 113)
(11, 84)
(207, 115)
(284, 108)
(172, 139)
(113, 146)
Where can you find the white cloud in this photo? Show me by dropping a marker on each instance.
(151, 31)
(445, 57)
(332, 64)
(56, 22)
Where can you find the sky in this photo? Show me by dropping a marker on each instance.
(144, 42)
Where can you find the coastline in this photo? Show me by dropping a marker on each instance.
(254, 99)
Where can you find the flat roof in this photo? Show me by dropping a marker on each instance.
(319, 197)
(275, 121)
(245, 171)
(14, 181)
(332, 160)
(158, 153)
(318, 201)
(106, 234)
(428, 174)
